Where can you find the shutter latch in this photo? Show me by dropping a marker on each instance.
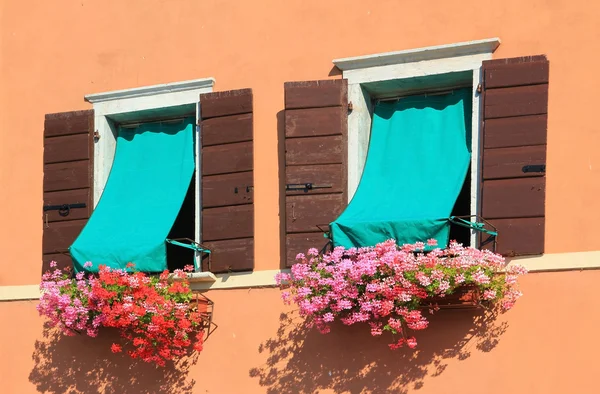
(534, 168)
(305, 186)
(64, 209)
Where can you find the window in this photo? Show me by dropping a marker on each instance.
(426, 70)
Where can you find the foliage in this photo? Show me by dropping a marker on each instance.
(155, 316)
(387, 286)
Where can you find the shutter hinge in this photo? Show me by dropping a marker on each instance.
(479, 88)
(96, 135)
(350, 106)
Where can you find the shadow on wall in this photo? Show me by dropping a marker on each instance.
(81, 364)
(301, 360)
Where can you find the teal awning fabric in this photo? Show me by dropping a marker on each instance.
(150, 176)
(418, 158)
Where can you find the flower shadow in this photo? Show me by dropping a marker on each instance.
(301, 360)
(81, 364)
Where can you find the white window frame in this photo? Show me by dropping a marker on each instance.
(403, 65)
(136, 104)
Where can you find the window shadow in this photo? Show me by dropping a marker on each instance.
(65, 364)
(349, 359)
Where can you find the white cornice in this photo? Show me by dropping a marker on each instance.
(419, 54)
(151, 90)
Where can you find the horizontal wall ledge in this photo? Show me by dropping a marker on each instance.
(257, 279)
(151, 90)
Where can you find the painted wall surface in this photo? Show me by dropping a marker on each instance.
(546, 344)
(52, 53)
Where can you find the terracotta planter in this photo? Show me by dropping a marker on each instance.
(463, 297)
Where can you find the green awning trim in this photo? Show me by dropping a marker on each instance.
(419, 154)
(150, 176)
(477, 226)
(192, 245)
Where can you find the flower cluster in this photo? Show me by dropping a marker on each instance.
(154, 315)
(388, 285)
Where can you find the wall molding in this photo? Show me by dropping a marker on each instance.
(574, 261)
(151, 90)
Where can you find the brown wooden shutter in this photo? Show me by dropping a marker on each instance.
(316, 124)
(515, 99)
(68, 180)
(228, 179)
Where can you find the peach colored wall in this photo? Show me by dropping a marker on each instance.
(55, 52)
(546, 344)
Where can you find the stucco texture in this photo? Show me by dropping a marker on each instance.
(52, 53)
(545, 344)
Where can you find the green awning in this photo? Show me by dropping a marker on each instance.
(418, 158)
(150, 176)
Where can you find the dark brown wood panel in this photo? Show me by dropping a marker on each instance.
(227, 189)
(230, 102)
(308, 213)
(58, 236)
(63, 262)
(231, 255)
(313, 94)
(519, 131)
(64, 123)
(516, 74)
(517, 237)
(300, 243)
(227, 158)
(313, 122)
(68, 175)
(228, 222)
(514, 198)
(67, 148)
(227, 129)
(319, 175)
(68, 197)
(515, 60)
(314, 150)
(509, 162)
(516, 101)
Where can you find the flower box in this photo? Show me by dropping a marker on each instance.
(388, 286)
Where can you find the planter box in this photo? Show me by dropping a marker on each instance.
(463, 297)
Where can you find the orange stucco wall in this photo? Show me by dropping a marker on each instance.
(55, 52)
(52, 53)
(545, 345)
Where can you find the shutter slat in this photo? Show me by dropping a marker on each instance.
(313, 122)
(309, 212)
(227, 129)
(228, 179)
(315, 94)
(515, 101)
(516, 74)
(231, 102)
(498, 201)
(519, 131)
(314, 150)
(227, 189)
(227, 158)
(316, 124)
(509, 162)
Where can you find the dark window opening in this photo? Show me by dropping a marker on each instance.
(462, 207)
(184, 227)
